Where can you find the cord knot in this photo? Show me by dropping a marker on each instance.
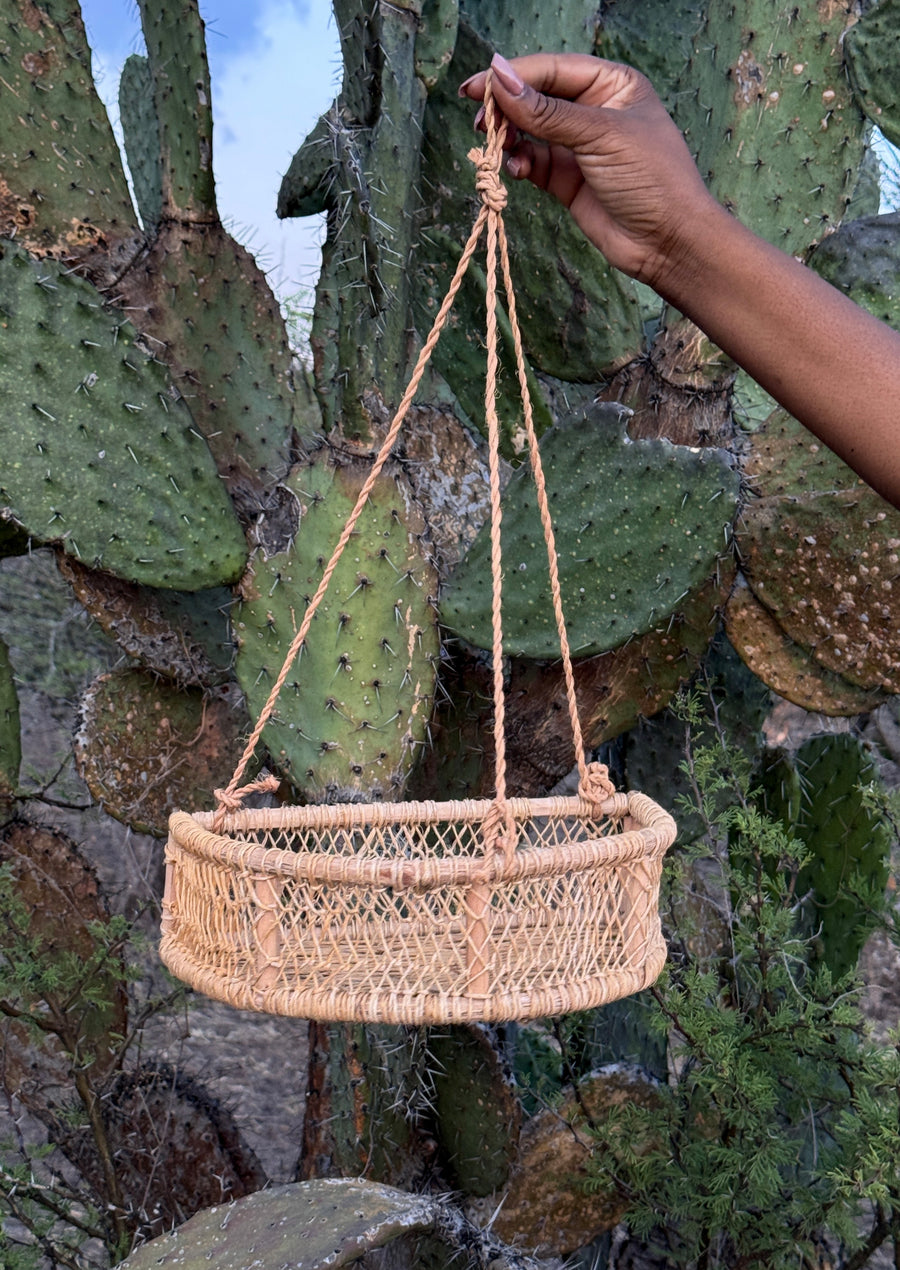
(233, 799)
(595, 786)
(499, 831)
(487, 178)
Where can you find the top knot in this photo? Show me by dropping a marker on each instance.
(487, 178)
(595, 785)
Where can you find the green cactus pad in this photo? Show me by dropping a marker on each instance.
(140, 128)
(519, 29)
(355, 707)
(638, 525)
(788, 669)
(330, 1222)
(655, 36)
(221, 333)
(182, 635)
(63, 192)
(84, 397)
(767, 110)
(176, 49)
(435, 40)
(477, 1112)
(578, 316)
(872, 54)
(10, 734)
(848, 843)
(862, 259)
(820, 551)
(146, 748)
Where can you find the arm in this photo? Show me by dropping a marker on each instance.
(595, 135)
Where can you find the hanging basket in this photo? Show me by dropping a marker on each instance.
(391, 913)
(425, 913)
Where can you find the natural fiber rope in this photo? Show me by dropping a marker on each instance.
(499, 830)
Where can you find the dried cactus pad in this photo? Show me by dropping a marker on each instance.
(84, 401)
(639, 525)
(822, 552)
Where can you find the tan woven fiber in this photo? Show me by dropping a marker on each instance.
(427, 912)
(364, 912)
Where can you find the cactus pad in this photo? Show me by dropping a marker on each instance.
(146, 748)
(768, 112)
(330, 1222)
(182, 635)
(83, 396)
(788, 669)
(638, 525)
(863, 259)
(478, 1113)
(872, 53)
(63, 191)
(355, 707)
(51, 910)
(821, 553)
(140, 128)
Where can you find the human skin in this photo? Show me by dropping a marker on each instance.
(595, 135)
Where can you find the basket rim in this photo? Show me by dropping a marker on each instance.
(652, 834)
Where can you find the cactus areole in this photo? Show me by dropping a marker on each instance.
(411, 912)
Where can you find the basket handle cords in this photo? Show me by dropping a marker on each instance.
(594, 783)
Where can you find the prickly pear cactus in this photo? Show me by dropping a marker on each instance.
(148, 503)
(355, 707)
(618, 576)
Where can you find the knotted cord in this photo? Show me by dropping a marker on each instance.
(594, 784)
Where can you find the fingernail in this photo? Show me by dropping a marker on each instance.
(507, 76)
(514, 166)
(479, 124)
(461, 91)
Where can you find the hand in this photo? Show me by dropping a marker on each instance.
(599, 139)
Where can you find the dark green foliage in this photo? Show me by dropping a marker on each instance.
(735, 704)
(148, 504)
(639, 525)
(766, 108)
(355, 707)
(527, 28)
(10, 735)
(140, 127)
(872, 54)
(757, 1154)
(818, 796)
(436, 39)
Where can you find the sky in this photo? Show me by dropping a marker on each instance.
(275, 67)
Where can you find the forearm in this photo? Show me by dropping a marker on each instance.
(831, 364)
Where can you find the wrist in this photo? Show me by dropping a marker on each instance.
(687, 256)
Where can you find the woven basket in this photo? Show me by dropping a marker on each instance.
(390, 912)
(426, 912)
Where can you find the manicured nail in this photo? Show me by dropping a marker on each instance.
(514, 166)
(461, 91)
(479, 125)
(508, 77)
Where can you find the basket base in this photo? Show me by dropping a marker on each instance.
(559, 994)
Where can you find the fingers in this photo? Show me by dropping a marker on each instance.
(570, 76)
